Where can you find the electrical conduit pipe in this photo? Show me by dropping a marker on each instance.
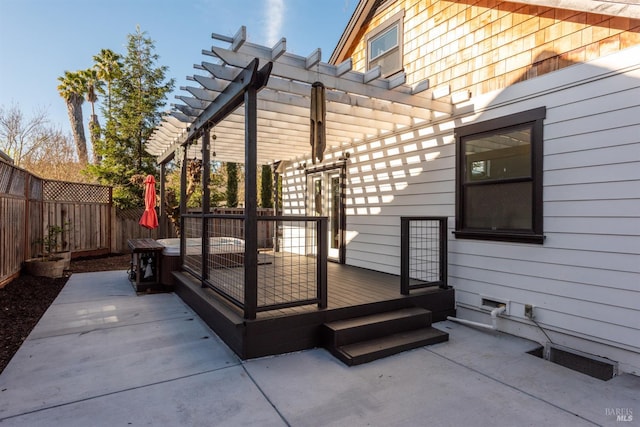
(494, 319)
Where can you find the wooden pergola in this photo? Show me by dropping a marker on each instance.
(275, 87)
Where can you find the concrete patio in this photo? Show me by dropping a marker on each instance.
(103, 356)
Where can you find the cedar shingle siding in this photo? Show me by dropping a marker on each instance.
(487, 45)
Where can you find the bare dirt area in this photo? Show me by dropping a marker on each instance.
(24, 300)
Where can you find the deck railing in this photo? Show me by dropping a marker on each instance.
(290, 268)
(423, 253)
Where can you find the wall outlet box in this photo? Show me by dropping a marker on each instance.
(528, 311)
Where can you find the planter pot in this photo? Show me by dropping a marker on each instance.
(66, 257)
(51, 267)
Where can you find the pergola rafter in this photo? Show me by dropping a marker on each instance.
(358, 105)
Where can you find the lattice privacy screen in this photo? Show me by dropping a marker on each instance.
(12, 180)
(75, 192)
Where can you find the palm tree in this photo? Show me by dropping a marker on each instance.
(72, 88)
(108, 66)
(93, 84)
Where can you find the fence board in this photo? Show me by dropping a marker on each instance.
(127, 227)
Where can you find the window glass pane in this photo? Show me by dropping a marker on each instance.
(388, 63)
(383, 43)
(503, 206)
(335, 212)
(317, 196)
(499, 155)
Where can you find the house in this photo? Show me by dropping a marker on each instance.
(515, 121)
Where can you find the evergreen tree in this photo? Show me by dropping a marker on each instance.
(266, 187)
(232, 185)
(138, 94)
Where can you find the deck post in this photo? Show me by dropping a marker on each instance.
(206, 166)
(322, 251)
(444, 253)
(183, 203)
(250, 204)
(404, 256)
(163, 210)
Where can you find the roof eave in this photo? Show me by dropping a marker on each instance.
(357, 19)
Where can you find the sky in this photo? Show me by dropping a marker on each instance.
(40, 39)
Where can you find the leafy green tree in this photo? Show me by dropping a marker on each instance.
(232, 185)
(72, 89)
(137, 96)
(266, 187)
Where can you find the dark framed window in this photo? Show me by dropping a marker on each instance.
(499, 178)
(384, 46)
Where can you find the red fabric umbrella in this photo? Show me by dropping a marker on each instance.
(149, 217)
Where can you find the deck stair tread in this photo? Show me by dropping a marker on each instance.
(367, 338)
(367, 351)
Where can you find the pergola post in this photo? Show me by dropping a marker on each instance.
(163, 209)
(250, 204)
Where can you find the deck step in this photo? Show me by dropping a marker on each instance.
(357, 329)
(364, 339)
(368, 351)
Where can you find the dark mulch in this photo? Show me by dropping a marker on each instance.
(24, 300)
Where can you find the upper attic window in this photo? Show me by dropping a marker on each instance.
(384, 46)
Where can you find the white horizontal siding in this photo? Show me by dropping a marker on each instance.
(596, 225)
(585, 279)
(411, 175)
(585, 191)
(560, 142)
(564, 257)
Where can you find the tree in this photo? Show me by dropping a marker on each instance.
(72, 88)
(37, 147)
(108, 66)
(266, 187)
(55, 158)
(20, 137)
(232, 185)
(137, 94)
(93, 84)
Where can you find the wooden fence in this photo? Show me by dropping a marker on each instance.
(29, 204)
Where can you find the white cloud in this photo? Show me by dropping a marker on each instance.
(275, 17)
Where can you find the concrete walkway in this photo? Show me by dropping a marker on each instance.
(102, 356)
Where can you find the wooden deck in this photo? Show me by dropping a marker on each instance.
(352, 292)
